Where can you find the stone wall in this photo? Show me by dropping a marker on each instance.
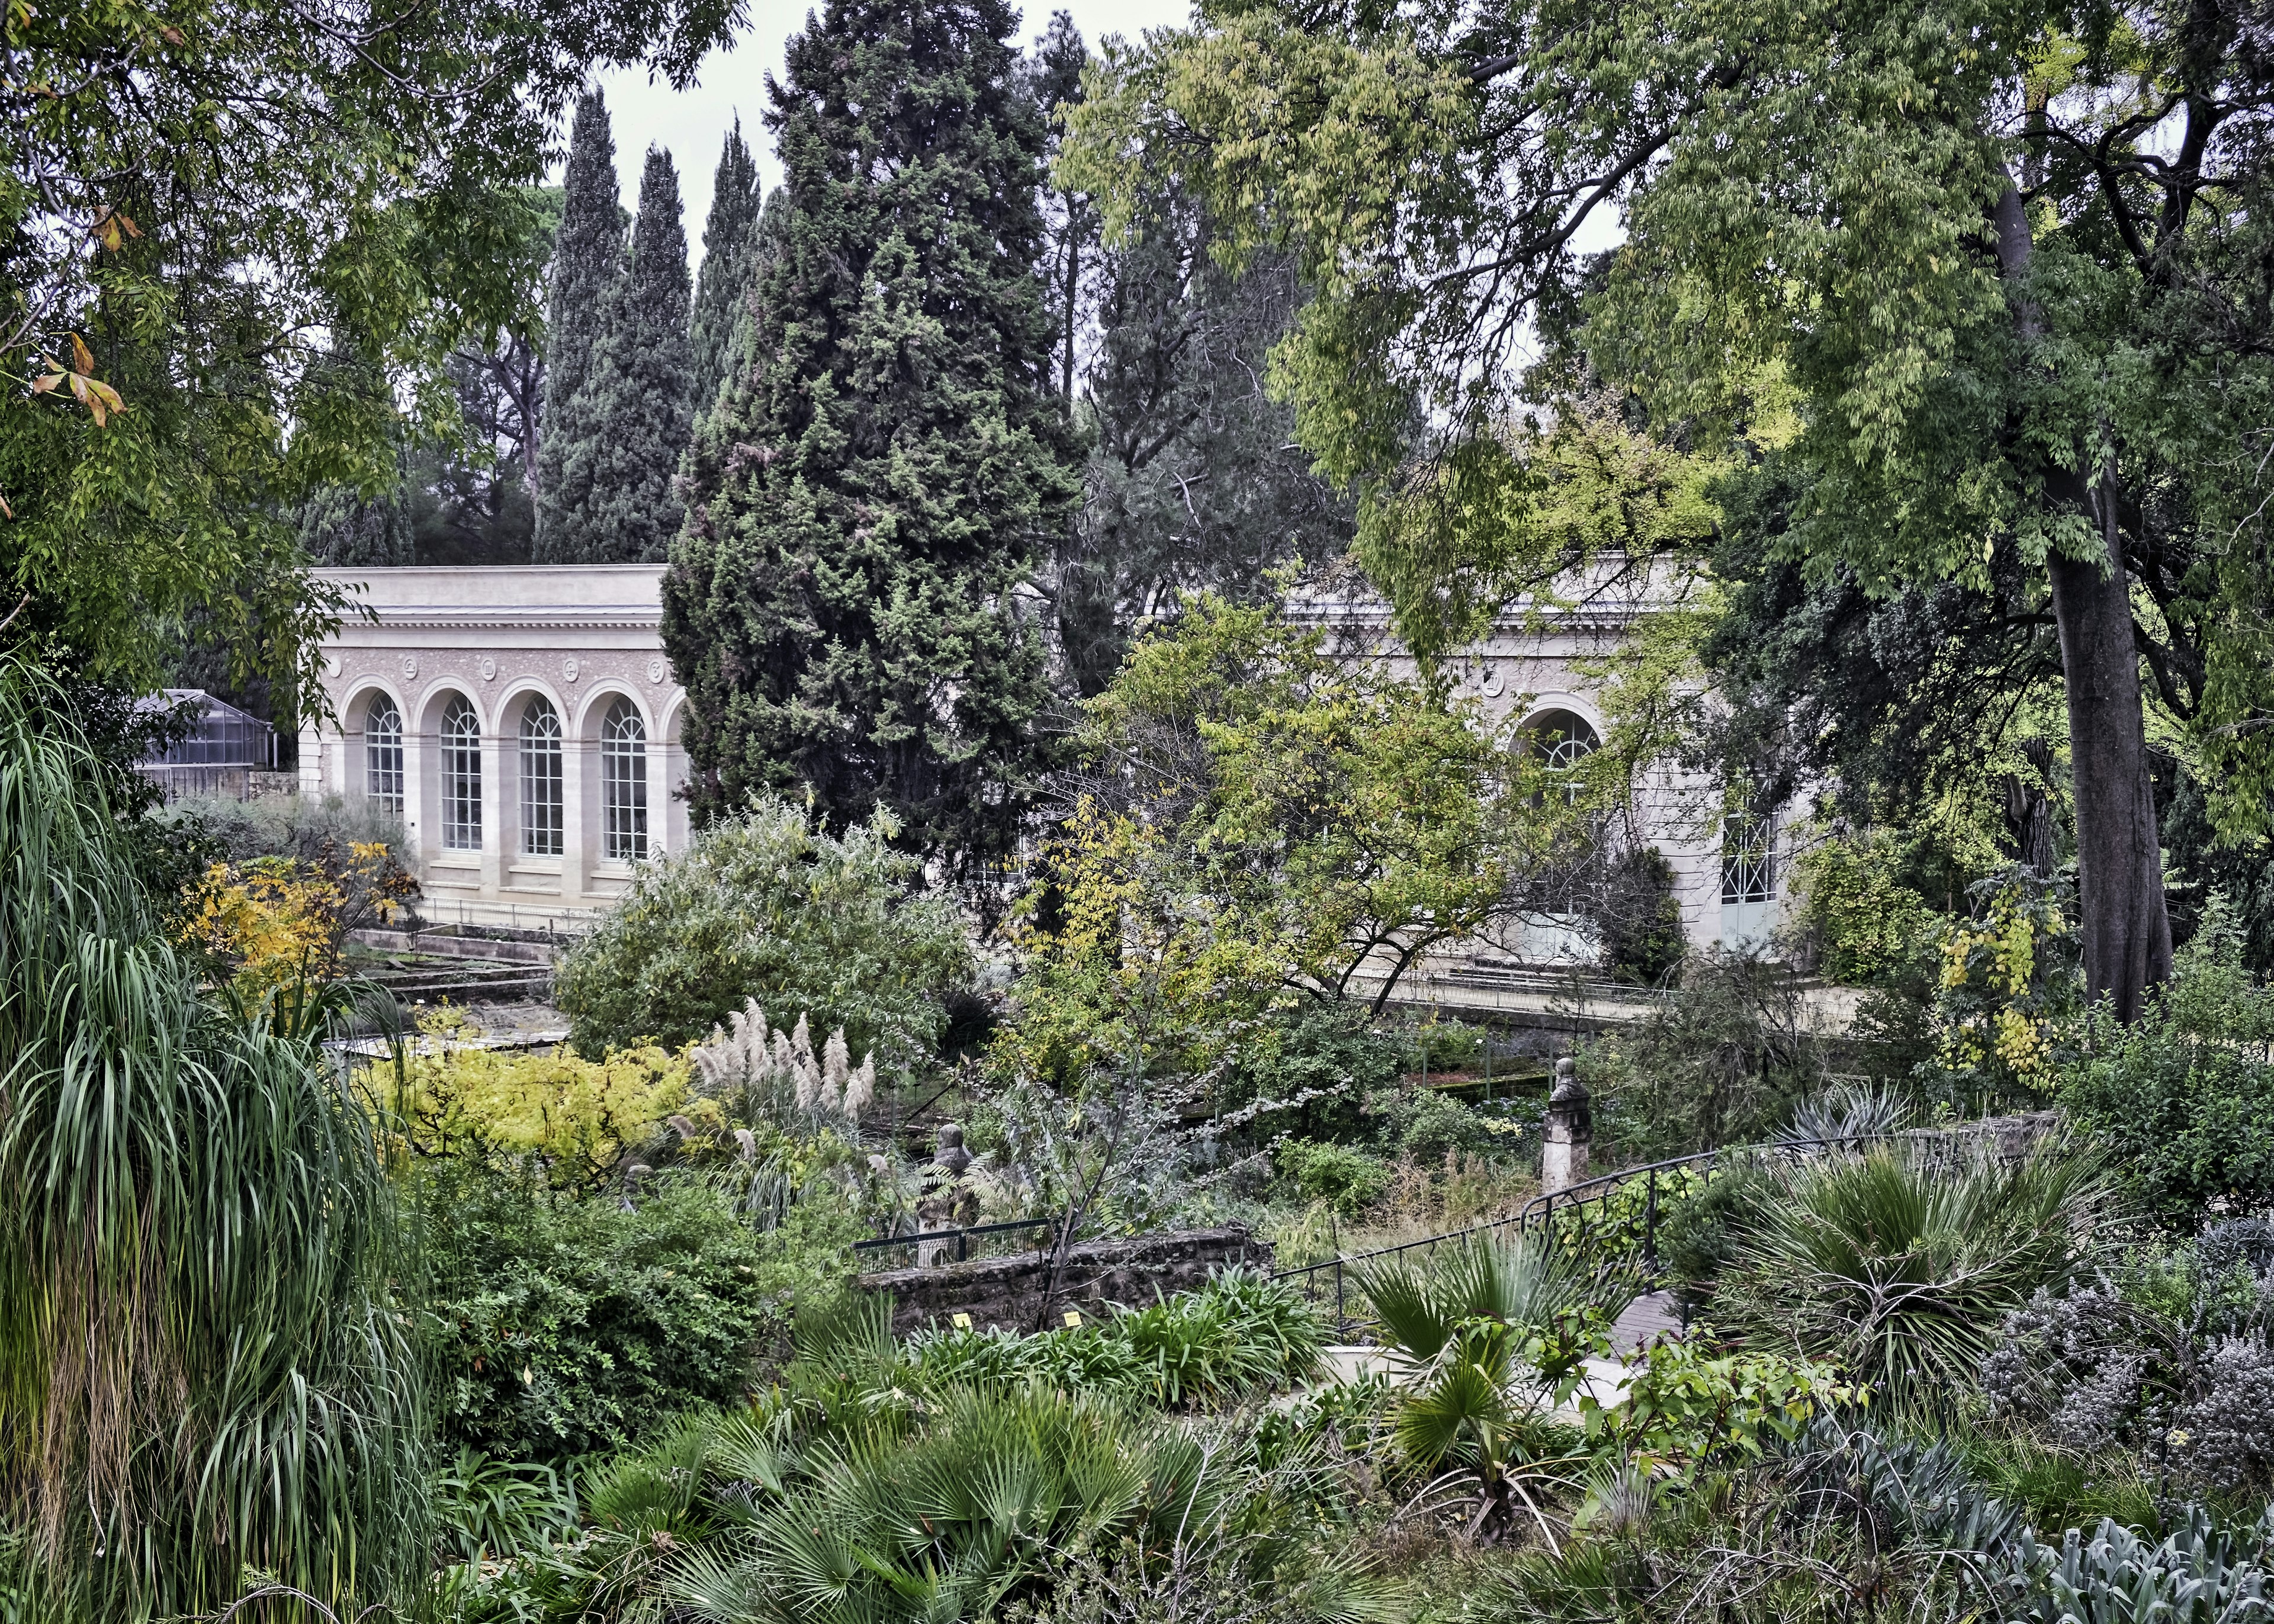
(1010, 1292)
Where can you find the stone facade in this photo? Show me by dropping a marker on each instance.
(523, 722)
(1539, 670)
(1010, 1292)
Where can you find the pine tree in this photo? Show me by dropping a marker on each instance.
(870, 494)
(638, 395)
(588, 255)
(722, 290)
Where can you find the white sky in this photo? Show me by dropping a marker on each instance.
(691, 123)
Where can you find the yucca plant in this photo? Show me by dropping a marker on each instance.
(199, 1375)
(1900, 1266)
(1489, 1336)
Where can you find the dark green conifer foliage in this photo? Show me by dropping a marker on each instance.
(639, 394)
(339, 525)
(866, 501)
(722, 290)
(588, 255)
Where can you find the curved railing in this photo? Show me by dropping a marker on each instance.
(1589, 1216)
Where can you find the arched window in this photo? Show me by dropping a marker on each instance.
(623, 783)
(540, 779)
(382, 756)
(461, 776)
(1562, 740)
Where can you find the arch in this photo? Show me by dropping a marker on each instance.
(353, 777)
(626, 769)
(458, 747)
(593, 708)
(536, 739)
(1561, 734)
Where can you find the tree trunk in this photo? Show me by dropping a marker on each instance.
(2127, 934)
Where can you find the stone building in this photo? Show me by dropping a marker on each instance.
(1540, 671)
(521, 721)
(525, 725)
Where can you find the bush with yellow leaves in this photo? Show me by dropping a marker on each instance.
(274, 926)
(577, 1122)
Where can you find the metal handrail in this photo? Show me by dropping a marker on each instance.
(1541, 1210)
(961, 1237)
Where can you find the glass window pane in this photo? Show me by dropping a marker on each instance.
(623, 783)
(462, 777)
(540, 779)
(382, 756)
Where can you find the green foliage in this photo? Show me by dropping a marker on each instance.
(763, 905)
(486, 1508)
(890, 458)
(1686, 1406)
(2182, 1102)
(723, 286)
(953, 1517)
(249, 254)
(1640, 918)
(1718, 1061)
(1901, 1265)
(1866, 922)
(2008, 984)
(198, 1373)
(1239, 1335)
(1345, 1178)
(1193, 483)
(561, 1326)
(1269, 822)
(2115, 1574)
(637, 400)
(1490, 1336)
(588, 253)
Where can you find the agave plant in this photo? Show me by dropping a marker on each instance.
(1901, 1265)
(198, 1374)
(1489, 1336)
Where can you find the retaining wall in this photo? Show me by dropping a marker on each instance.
(1014, 1292)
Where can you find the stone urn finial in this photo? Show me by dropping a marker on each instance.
(1567, 1132)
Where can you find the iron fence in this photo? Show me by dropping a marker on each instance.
(1611, 1219)
(977, 1240)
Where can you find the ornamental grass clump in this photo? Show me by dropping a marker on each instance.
(1900, 1266)
(200, 1378)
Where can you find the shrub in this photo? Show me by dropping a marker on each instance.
(1903, 1265)
(1684, 1404)
(1718, 1061)
(1239, 1334)
(1346, 1179)
(2182, 1099)
(1640, 919)
(764, 906)
(1327, 1061)
(301, 827)
(559, 1326)
(568, 1119)
(2115, 1576)
(1866, 922)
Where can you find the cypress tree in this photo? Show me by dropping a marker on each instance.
(728, 243)
(868, 497)
(639, 393)
(588, 251)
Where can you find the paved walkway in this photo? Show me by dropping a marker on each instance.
(1646, 1317)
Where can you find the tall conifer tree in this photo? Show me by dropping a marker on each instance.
(722, 290)
(588, 251)
(867, 499)
(639, 394)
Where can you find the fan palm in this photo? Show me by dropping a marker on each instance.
(1903, 1265)
(198, 1374)
(1487, 1334)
